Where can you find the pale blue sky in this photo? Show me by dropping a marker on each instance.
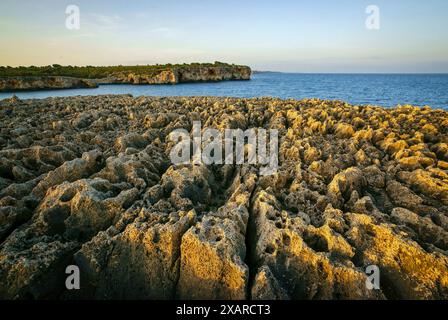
(293, 35)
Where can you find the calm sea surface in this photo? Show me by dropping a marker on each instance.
(376, 89)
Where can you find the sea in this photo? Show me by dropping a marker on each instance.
(387, 90)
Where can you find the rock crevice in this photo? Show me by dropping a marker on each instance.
(88, 181)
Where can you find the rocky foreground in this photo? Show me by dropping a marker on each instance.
(88, 181)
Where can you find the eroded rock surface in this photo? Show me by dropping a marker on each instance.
(88, 181)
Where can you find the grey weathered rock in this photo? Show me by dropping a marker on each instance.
(213, 252)
(69, 171)
(89, 181)
(212, 259)
(343, 184)
(141, 262)
(33, 267)
(306, 262)
(426, 230)
(266, 286)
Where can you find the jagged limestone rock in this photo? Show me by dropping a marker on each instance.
(141, 262)
(89, 181)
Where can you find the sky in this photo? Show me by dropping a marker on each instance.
(281, 35)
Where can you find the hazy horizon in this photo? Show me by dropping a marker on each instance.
(282, 36)
(262, 71)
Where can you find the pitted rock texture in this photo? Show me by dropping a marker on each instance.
(88, 181)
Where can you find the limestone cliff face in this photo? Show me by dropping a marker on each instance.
(163, 77)
(214, 73)
(43, 82)
(171, 75)
(179, 75)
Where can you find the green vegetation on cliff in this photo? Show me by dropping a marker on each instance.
(93, 72)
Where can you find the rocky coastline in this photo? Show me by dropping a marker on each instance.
(170, 75)
(87, 181)
(33, 83)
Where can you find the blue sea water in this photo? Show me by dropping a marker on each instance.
(386, 90)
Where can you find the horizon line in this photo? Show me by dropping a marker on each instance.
(323, 72)
(232, 63)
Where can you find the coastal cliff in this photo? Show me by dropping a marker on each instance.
(43, 83)
(180, 75)
(44, 78)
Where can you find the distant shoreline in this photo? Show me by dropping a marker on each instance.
(350, 73)
(69, 77)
